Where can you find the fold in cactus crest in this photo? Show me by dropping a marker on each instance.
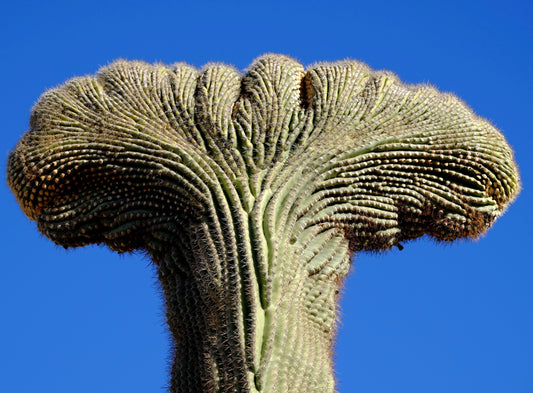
(250, 192)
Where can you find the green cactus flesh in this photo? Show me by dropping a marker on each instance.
(251, 192)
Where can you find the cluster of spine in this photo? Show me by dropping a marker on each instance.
(250, 192)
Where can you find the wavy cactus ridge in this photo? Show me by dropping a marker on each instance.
(252, 191)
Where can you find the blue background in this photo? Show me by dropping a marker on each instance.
(431, 318)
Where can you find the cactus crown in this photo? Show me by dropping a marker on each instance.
(250, 192)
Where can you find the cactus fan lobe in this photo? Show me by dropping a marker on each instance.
(250, 192)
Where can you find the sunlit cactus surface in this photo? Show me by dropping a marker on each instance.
(251, 191)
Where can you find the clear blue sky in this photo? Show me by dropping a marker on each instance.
(431, 318)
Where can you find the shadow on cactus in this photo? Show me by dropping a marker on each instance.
(250, 192)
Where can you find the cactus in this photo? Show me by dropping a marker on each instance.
(251, 193)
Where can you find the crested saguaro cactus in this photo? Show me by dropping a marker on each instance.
(251, 192)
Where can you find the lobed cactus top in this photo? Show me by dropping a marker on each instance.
(390, 161)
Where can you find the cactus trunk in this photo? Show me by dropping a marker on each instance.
(228, 342)
(251, 311)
